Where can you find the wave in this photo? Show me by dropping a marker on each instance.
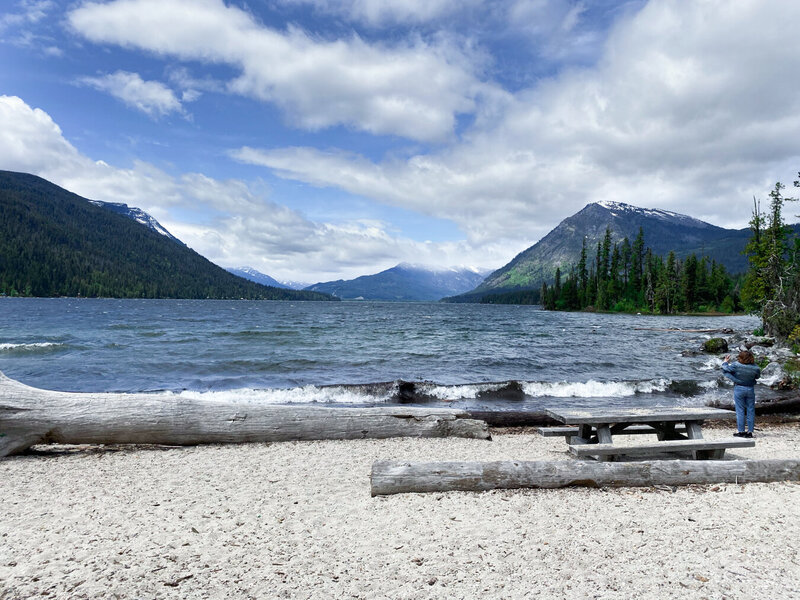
(596, 389)
(310, 394)
(425, 392)
(32, 348)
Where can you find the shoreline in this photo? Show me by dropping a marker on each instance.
(296, 520)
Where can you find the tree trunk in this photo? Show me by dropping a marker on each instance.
(393, 477)
(31, 416)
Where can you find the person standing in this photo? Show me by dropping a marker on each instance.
(743, 372)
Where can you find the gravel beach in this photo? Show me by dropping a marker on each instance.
(296, 520)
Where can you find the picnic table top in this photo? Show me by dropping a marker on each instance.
(650, 414)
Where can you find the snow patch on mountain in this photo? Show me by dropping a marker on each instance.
(255, 276)
(138, 215)
(437, 269)
(620, 207)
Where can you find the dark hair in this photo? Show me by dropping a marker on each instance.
(746, 357)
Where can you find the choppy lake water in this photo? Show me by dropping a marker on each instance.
(359, 353)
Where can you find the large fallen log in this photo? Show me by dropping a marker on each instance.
(679, 330)
(784, 405)
(511, 418)
(393, 477)
(31, 416)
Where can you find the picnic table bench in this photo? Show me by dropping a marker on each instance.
(590, 433)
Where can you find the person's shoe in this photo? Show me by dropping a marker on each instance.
(749, 434)
(739, 434)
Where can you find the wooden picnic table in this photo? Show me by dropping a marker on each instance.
(677, 429)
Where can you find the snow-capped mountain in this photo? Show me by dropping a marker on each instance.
(294, 285)
(138, 215)
(664, 231)
(405, 282)
(252, 274)
(257, 276)
(620, 208)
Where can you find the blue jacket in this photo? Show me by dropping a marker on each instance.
(741, 374)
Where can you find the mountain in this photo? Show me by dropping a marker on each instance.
(56, 243)
(252, 274)
(663, 231)
(405, 282)
(294, 285)
(138, 215)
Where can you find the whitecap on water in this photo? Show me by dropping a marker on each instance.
(33, 347)
(594, 389)
(308, 394)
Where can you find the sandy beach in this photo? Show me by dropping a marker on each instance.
(296, 520)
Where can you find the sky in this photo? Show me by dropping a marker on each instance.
(317, 139)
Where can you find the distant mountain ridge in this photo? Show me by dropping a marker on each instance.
(664, 231)
(56, 243)
(405, 283)
(255, 276)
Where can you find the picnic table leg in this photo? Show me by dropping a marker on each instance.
(604, 437)
(694, 431)
(666, 431)
(585, 434)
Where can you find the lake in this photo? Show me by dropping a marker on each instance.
(359, 352)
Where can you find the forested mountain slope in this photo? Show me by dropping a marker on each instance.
(56, 243)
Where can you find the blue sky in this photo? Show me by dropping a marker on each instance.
(320, 139)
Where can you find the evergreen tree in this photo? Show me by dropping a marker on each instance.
(603, 271)
(689, 282)
(625, 256)
(637, 259)
(583, 274)
(771, 286)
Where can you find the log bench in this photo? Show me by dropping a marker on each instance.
(704, 449)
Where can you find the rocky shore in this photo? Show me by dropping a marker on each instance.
(780, 370)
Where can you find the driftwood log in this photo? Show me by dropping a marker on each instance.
(31, 416)
(679, 330)
(788, 405)
(393, 477)
(512, 418)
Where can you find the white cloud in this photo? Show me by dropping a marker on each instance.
(388, 12)
(545, 18)
(28, 12)
(151, 97)
(23, 26)
(556, 29)
(30, 140)
(412, 89)
(228, 223)
(692, 107)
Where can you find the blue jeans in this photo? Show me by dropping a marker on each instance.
(744, 397)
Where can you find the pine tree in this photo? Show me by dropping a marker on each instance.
(637, 259)
(583, 275)
(770, 286)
